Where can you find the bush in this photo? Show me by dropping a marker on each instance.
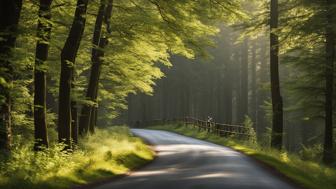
(313, 153)
(248, 123)
(108, 152)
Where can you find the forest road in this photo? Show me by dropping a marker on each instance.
(187, 163)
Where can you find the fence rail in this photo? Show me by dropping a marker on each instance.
(220, 129)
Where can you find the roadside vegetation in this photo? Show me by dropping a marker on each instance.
(303, 168)
(109, 152)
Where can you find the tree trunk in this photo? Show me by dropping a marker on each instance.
(87, 109)
(94, 110)
(237, 71)
(228, 96)
(277, 116)
(261, 93)
(228, 91)
(253, 102)
(329, 71)
(93, 120)
(9, 18)
(99, 42)
(68, 57)
(244, 82)
(42, 47)
(74, 122)
(94, 86)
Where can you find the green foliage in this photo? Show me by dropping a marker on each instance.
(144, 34)
(248, 123)
(313, 153)
(54, 168)
(265, 140)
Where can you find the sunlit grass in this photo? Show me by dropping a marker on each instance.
(107, 153)
(309, 174)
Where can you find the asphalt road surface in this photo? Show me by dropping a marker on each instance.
(187, 163)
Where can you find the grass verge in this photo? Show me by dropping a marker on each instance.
(109, 152)
(310, 175)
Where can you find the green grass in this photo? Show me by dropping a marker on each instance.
(109, 152)
(309, 174)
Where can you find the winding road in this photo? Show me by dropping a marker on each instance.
(187, 163)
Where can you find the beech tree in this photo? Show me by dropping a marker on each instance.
(68, 58)
(40, 83)
(9, 18)
(88, 114)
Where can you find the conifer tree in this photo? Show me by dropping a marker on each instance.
(277, 104)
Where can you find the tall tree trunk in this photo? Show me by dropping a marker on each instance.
(87, 109)
(253, 102)
(68, 58)
(42, 47)
(261, 93)
(164, 98)
(9, 18)
(228, 92)
(237, 71)
(244, 82)
(228, 96)
(277, 106)
(329, 76)
(96, 75)
(74, 122)
(99, 42)
(93, 120)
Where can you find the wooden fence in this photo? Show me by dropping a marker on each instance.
(220, 129)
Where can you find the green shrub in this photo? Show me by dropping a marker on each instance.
(313, 153)
(265, 140)
(248, 123)
(108, 152)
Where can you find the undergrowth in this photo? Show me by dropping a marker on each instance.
(309, 174)
(109, 152)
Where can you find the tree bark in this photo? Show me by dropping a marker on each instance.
(237, 71)
(93, 120)
(228, 96)
(228, 91)
(68, 58)
(329, 71)
(41, 55)
(88, 116)
(277, 106)
(253, 102)
(74, 122)
(261, 93)
(9, 18)
(87, 109)
(244, 82)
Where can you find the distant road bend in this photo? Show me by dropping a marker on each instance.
(187, 163)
